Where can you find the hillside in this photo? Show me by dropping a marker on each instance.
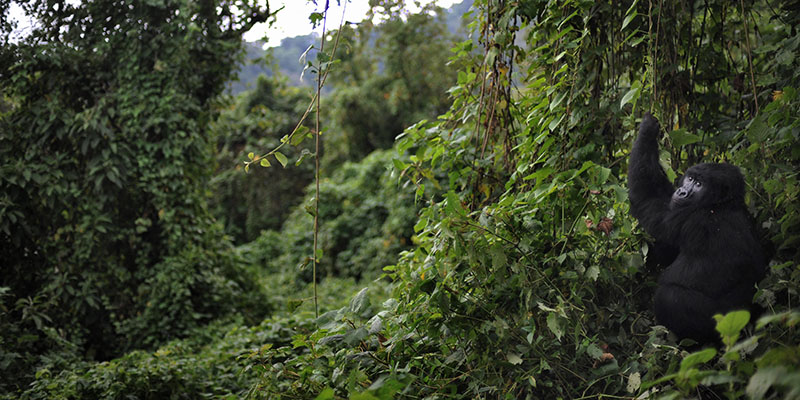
(286, 56)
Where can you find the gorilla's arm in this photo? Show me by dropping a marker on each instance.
(649, 190)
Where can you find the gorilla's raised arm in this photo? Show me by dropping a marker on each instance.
(649, 190)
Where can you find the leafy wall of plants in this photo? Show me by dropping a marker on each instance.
(105, 236)
(529, 279)
(366, 219)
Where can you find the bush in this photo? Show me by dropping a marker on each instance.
(366, 219)
(528, 278)
(211, 364)
(105, 235)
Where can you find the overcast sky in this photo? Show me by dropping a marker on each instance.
(291, 21)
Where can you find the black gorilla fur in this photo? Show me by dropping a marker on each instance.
(703, 230)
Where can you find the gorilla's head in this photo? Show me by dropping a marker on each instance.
(709, 184)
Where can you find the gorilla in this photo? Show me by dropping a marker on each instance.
(703, 231)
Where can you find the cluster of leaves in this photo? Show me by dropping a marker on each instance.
(106, 240)
(212, 364)
(221, 360)
(528, 279)
(774, 369)
(261, 199)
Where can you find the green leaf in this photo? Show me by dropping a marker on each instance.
(539, 175)
(454, 204)
(632, 95)
(559, 98)
(355, 336)
(514, 359)
(421, 224)
(762, 380)
(499, 259)
(251, 155)
(699, 357)
(325, 394)
(281, 158)
(265, 163)
(593, 272)
(733, 322)
(680, 137)
(628, 19)
(772, 186)
(360, 302)
(399, 165)
(299, 135)
(363, 396)
(757, 130)
(554, 325)
(602, 176)
(315, 18)
(594, 351)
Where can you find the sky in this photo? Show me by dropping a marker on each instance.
(291, 21)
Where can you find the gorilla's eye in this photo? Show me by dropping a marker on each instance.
(690, 179)
(698, 184)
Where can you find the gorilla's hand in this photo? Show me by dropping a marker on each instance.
(649, 128)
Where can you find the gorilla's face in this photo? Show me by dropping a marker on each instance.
(691, 190)
(709, 184)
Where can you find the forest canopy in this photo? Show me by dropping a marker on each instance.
(474, 236)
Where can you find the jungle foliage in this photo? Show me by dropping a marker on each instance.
(105, 234)
(248, 203)
(529, 277)
(388, 77)
(366, 220)
(522, 274)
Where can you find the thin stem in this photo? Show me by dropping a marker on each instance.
(316, 164)
(749, 56)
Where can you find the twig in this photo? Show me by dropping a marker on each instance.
(749, 56)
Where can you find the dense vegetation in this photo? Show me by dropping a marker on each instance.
(105, 234)
(521, 273)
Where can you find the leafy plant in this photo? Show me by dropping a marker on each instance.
(528, 279)
(105, 236)
(365, 221)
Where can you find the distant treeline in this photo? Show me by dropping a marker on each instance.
(286, 56)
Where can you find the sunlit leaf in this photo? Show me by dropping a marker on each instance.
(699, 357)
(326, 394)
(514, 359)
(632, 94)
(281, 158)
(628, 19)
